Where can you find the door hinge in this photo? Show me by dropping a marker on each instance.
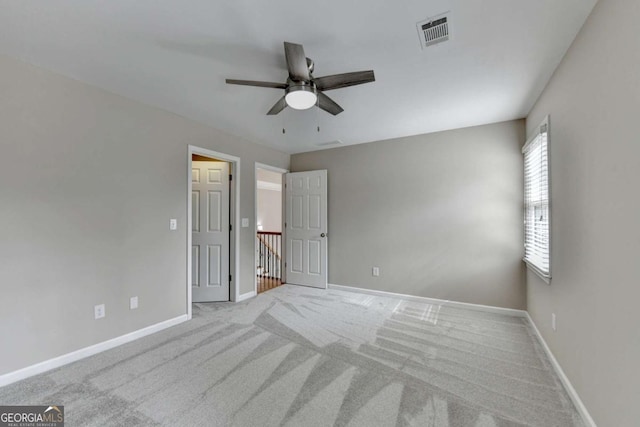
(285, 225)
(285, 264)
(230, 227)
(230, 278)
(230, 177)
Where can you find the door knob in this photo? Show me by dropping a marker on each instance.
(323, 235)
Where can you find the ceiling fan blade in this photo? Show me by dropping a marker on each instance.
(296, 62)
(278, 106)
(338, 81)
(328, 104)
(256, 83)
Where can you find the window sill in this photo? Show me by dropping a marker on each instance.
(546, 277)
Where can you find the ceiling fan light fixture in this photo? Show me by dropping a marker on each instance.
(301, 97)
(302, 90)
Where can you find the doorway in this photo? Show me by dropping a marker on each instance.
(269, 248)
(212, 209)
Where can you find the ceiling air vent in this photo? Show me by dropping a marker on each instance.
(329, 143)
(434, 30)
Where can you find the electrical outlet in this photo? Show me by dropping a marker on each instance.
(376, 271)
(99, 311)
(133, 303)
(173, 224)
(553, 321)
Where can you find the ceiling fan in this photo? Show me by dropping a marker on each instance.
(302, 90)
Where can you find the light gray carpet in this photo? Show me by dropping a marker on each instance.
(299, 356)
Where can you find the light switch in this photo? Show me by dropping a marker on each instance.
(245, 222)
(173, 224)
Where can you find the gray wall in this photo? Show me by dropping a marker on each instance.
(440, 214)
(88, 183)
(594, 104)
(269, 201)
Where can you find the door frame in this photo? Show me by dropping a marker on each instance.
(234, 219)
(257, 166)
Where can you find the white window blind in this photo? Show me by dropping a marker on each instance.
(536, 202)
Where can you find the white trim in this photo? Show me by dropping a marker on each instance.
(234, 288)
(257, 166)
(247, 295)
(74, 356)
(476, 307)
(270, 168)
(534, 135)
(545, 277)
(573, 394)
(266, 185)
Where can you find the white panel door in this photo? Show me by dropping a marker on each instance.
(210, 231)
(306, 228)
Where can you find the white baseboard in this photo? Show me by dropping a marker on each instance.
(476, 307)
(582, 410)
(246, 296)
(65, 359)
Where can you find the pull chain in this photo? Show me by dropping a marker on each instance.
(283, 123)
(317, 115)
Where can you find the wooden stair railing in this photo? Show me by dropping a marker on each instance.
(269, 254)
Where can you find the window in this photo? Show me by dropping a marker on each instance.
(536, 202)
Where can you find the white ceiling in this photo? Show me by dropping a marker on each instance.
(176, 54)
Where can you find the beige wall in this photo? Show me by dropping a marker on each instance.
(270, 210)
(594, 102)
(440, 214)
(88, 183)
